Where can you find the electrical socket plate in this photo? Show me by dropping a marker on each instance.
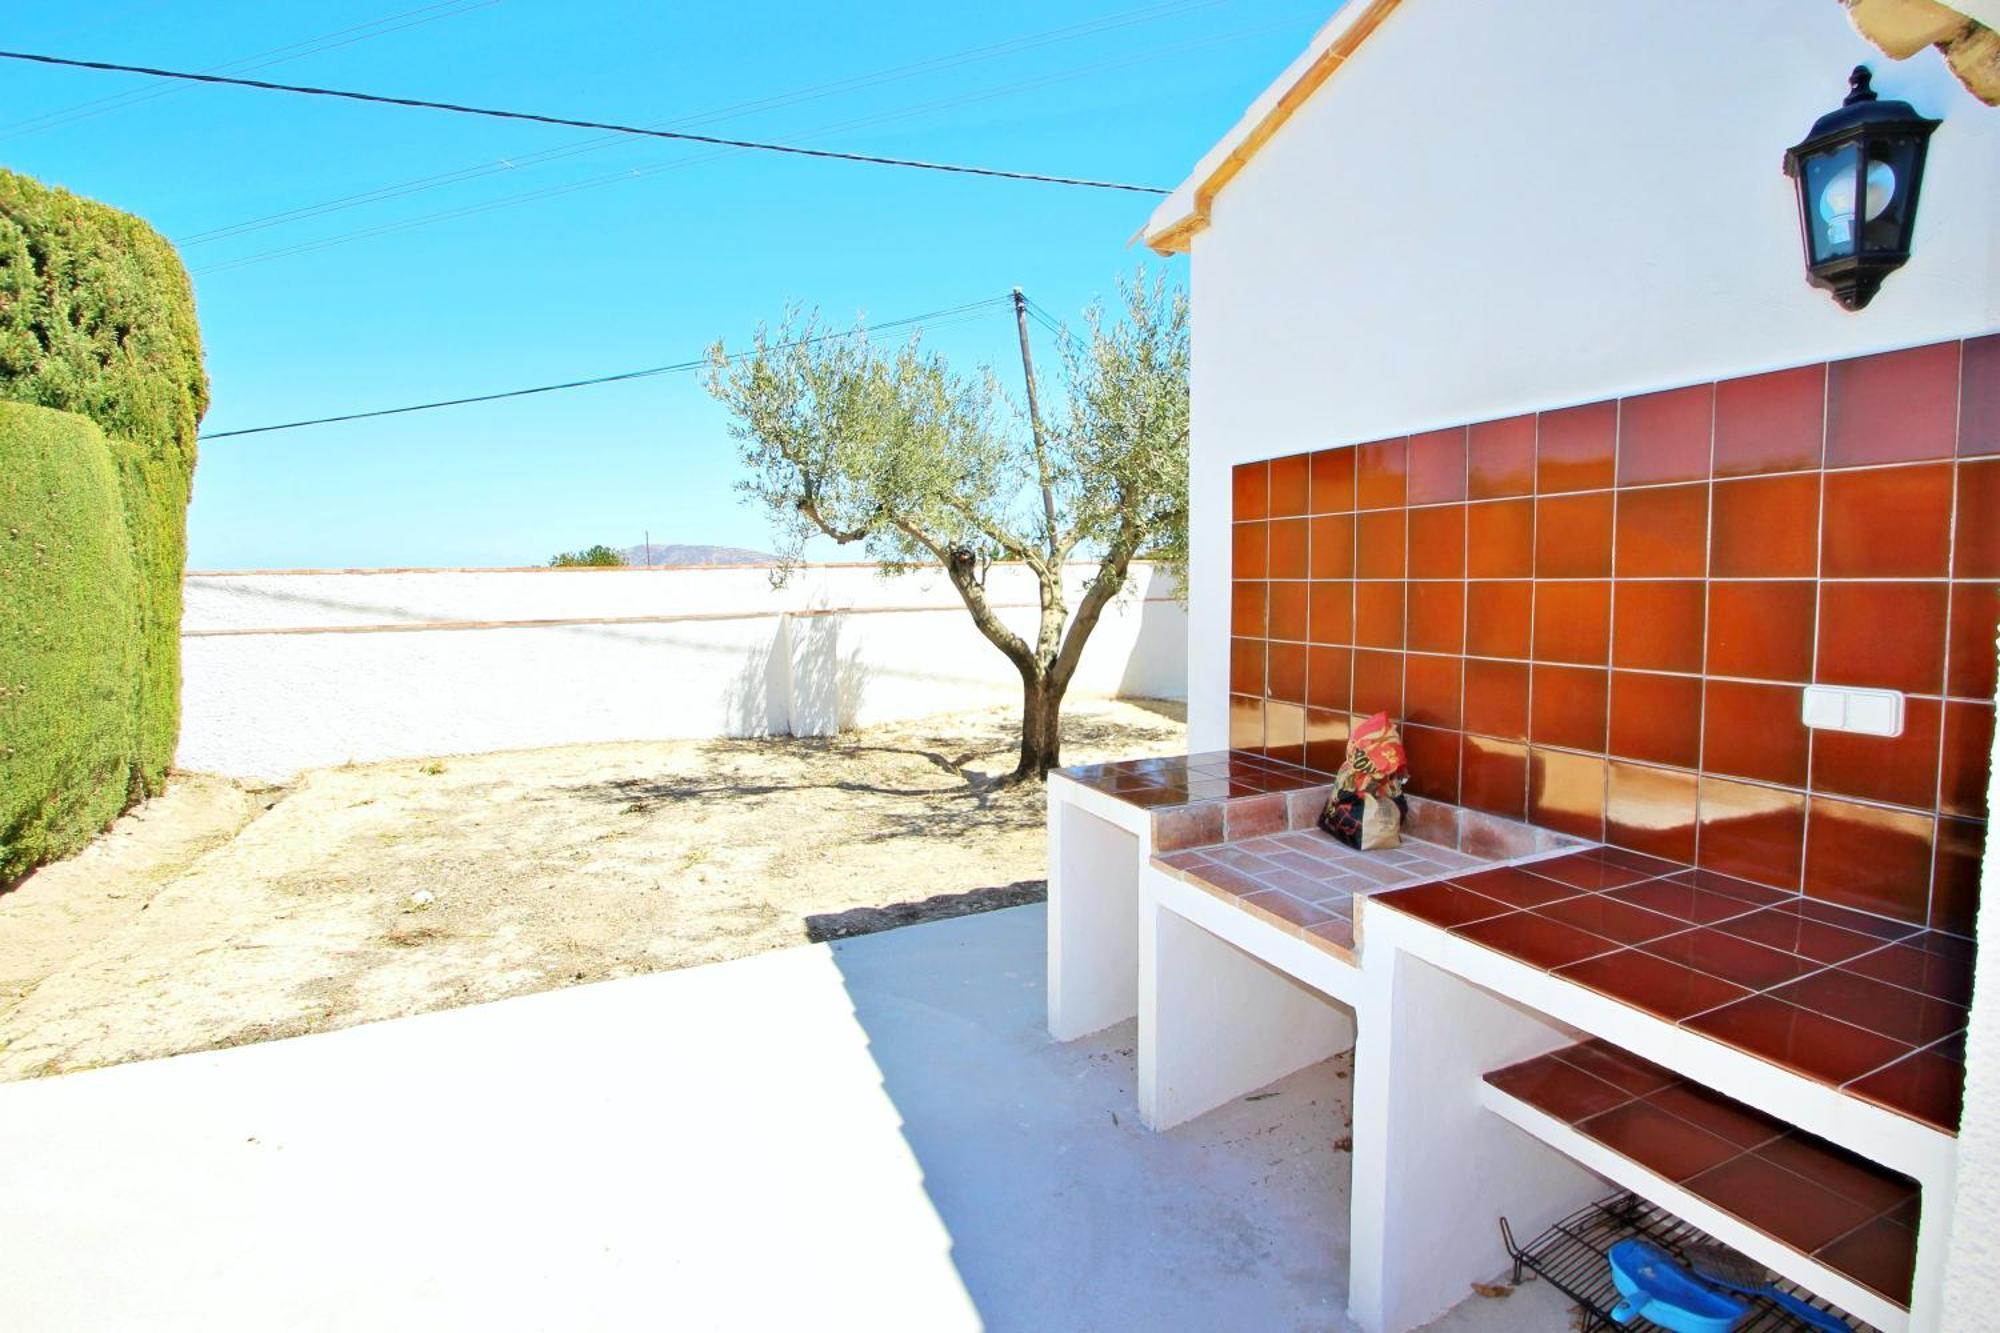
(1845, 708)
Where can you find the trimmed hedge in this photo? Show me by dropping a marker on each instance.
(97, 319)
(69, 642)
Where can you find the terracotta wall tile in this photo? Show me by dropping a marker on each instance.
(1380, 541)
(1770, 423)
(1247, 603)
(1285, 731)
(1968, 758)
(1656, 718)
(1329, 678)
(1885, 635)
(1250, 490)
(1573, 622)
(1658, 626)
(1432, 688)
(1869, 858)
(1437, 466)
(1433, 756)
(1887, 522)
(1330, 546)
(1381, 472)
(1330, 612)
(1249, 552)
(1566, 792)
(1499, 618)
(1975, 612)
(1961, 848)
(1437, 542)
(1766, 527)
(1573, 536)
(1326, 739)
(1500, 539)
(1493, 776)
(1378, 613)
(1762, 630)
(1754, 731)
(1902, 770)
(1568, 706)
(1976, 549)
(1501, 458)
(1285, 671)
(1287, 602)
(1436, 614)
(1246, 666)
(1893, 407)
(1332, 486)
(1289, 482)
(1246, 722)
(1665, 436)
(1576, 448)
(1753, 833)
(1979, 397)
(1663, 532)
(1378, 683)
(1288, 549)
(1651, 810)
(1496, 698)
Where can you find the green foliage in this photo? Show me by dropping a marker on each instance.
(97, 319)
(598, 556)
(69, 644)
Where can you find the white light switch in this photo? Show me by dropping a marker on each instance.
(1842, 708)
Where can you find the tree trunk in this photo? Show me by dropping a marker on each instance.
(1041, 726)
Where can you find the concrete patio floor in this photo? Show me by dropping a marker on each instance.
(876, 1133)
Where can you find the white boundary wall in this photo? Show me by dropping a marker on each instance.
(293, 670)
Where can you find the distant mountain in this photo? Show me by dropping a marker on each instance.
(695, 555)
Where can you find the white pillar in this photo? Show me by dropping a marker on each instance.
(1093, 916)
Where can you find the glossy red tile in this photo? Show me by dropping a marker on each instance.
(1762, 630)
(1378, 614)
(1247, 603)
(1976, 552)
(1288, 548)
(1381, 538)
(1330, 612)
(1573, 536)
(1831, 1167)
(1591, 872)
(1887, 522)
(1928, 1085)
(1813, 1044)
(1656, 718)
(1332, 485)
(1285, 667)
(1436, 616)
(1501, 458)
(1536, 940)
(1886, 635)
(1329, 677)
(1665, 436)
(1496, 698)
(1566, 792)
(1251, 491)
(1893, 407)
(1433, 758)
(1663, 532)
(1442, 903)
(1575, 448)
(1558, 1088)
(1378, 683)
(1432, 688)
(1286, 603)
(1657, 626)
(1616, 1066)
(1880, 1255)
(1493, 776)
(1498, 618)
(1890, 1011)
(1246, 666)
(1687, 903)
(1651, 809)
(1785, 928)
(1961, 845)
(1437, 466)
(1731, 958)
(1517, 887)
(1250, 545)
(1246, 722)
(1603, 915)
(1330, 546)
(1902, 770)
(1500, 539)
(1765, 527)
(1770, 423)
(1667, 990)
(1381, 472)
(1754, 731)
(1933, 963)
(1659, 1140)
(1753, 833)
(1979, 397)
(1437, 542)
(1573, 622)
(1870, 858)
(1289, 480)
(1779, 1203)
(1975, 613)
(1285, 731)
(1326, 736)
(1568, 706)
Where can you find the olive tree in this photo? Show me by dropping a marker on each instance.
(923, 466)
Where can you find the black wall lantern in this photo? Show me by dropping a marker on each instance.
(1857, 175)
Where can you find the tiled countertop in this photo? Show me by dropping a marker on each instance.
(1851, 1215)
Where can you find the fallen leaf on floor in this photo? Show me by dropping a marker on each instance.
(1345, 1143)
(1259, 1096)
(1493, 1290)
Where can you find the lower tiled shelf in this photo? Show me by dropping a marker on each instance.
(1822, 1217)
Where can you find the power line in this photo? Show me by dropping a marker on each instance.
(935, 318)
(492, 113)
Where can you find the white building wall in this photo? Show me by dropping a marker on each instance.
(288, 671)
(1495, 208)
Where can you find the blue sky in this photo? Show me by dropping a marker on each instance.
(635, 253)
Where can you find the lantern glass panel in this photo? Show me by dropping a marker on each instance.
(1832, 193)
(1891, 163)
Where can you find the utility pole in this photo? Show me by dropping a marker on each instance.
(1035, 416)
(649, 546)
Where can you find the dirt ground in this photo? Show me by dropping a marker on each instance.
(220, 914)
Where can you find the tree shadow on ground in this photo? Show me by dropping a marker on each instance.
(824, 926)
